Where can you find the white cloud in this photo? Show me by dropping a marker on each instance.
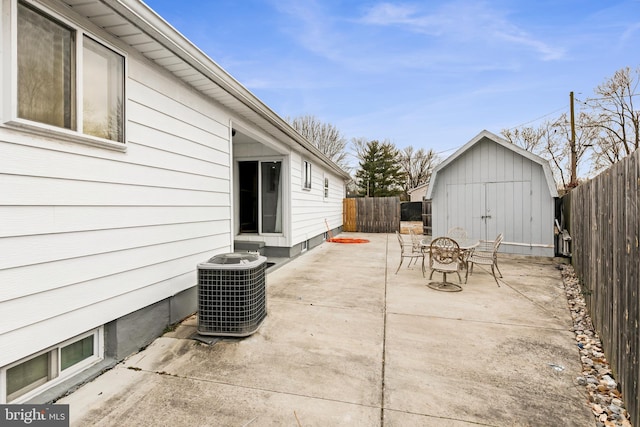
(460, 22)
(630, 32)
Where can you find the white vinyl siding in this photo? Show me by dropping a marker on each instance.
(311, 208)
(90, 235)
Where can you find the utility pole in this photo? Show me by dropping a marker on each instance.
(574, 156)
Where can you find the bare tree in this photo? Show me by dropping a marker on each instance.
(325, 136)
(417, 166)
(551, 141)
(615, 117)
(529, 138)
(608, 130)
(585, 134)
(545, 141)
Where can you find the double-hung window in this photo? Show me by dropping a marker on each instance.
(67, 79)
(306, 177)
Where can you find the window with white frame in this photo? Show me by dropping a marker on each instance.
(67, 79)
(36, 373)
(326, 187)
(306, 170)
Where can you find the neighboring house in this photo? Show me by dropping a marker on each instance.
(127, 157)
(491, 186)
(417, 194)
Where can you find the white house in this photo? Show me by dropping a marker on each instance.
(127, 157)
(417, 194)
(491, 186)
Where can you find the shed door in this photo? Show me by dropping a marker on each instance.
(508, 211)
(487, 209)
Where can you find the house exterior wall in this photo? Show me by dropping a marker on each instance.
(89, 234)
(418, 193)
(96, 234)
(309, 207)
(491, 180)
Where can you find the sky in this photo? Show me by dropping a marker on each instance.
(428, 74)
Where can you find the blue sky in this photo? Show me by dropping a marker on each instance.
(430, 74)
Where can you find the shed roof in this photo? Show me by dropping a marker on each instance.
(485, 134)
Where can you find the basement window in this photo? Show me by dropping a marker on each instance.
(34, 374)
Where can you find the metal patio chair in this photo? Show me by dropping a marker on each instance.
(415, 241)
(457, 233)
(486, 253)
(444, 258)
(411, 251)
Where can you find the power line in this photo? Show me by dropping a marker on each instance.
(541, 117)
(449, 149)
(523, 124)
(605, 98)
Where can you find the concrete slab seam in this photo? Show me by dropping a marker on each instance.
(384, 327)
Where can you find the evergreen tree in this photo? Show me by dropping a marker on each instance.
(379, 173)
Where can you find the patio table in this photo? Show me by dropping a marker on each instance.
(465, 244)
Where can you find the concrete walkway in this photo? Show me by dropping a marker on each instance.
(348, 342)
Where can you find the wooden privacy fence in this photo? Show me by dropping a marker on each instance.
(371, 214)
(604, 228)
(427, 222)
(349, 214)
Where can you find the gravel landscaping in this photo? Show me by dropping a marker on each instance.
(601, 388)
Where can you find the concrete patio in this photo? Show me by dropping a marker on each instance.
(348, 342)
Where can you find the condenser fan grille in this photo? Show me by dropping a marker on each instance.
(231, 298)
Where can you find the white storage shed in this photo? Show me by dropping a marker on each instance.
(491, 186)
